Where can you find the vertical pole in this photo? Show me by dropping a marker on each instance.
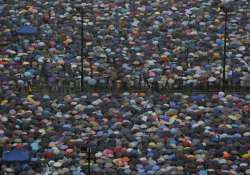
(91, 63)
(208, 85)
(187, 49)
(89, 160)
(82, 47)
(187, 43)
(187, 53)
(225, 50)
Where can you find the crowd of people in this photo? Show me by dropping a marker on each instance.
(129, 133)
(168, 44)
(131, 44)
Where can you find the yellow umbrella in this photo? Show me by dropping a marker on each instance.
(26, 63)
(30, 97)
(3, 102)
(234, 117)
(246, 156)
(136, 62)
(152, 144)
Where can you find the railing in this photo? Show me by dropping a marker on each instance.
(72, 86)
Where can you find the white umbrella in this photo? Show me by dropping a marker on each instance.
(180, 68)
(196, 68)
(11, 51)
(171, 81)
(211, 79)
(197, 76)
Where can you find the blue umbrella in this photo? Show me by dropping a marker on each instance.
(102, 81)
(207, 66)
(203, 172)
(28, 74)
(77, 172)
(34, 146)
(92, 82)
(164, 117)
(26, 30)
(15, 155)
(220, 42)
(197, 97)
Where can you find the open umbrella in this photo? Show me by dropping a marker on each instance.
(92, 82)
(197, 97)
(211, 79)
(15, 155)
(26, 30)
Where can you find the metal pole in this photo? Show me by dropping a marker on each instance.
(225, 49)
(89, 161)
(209, 73)
(82, 47)
(187, 44)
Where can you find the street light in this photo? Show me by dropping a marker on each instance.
(80, 8)
(82, 47)
(188, 13)
(226, 6)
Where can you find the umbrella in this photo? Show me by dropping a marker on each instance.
(15, 155)
(197, 97)
(211, 79)
(26, 30)
(247, 97)
(28, 74)
(92, 82)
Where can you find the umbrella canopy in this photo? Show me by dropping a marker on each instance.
(26, 30)
(92, 82)
(15, 155)
(197, 97)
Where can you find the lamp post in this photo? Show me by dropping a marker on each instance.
(226, 4)
(225, 48)
(85, 148)
(188, 14)
(80, 9)
(82, 47)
